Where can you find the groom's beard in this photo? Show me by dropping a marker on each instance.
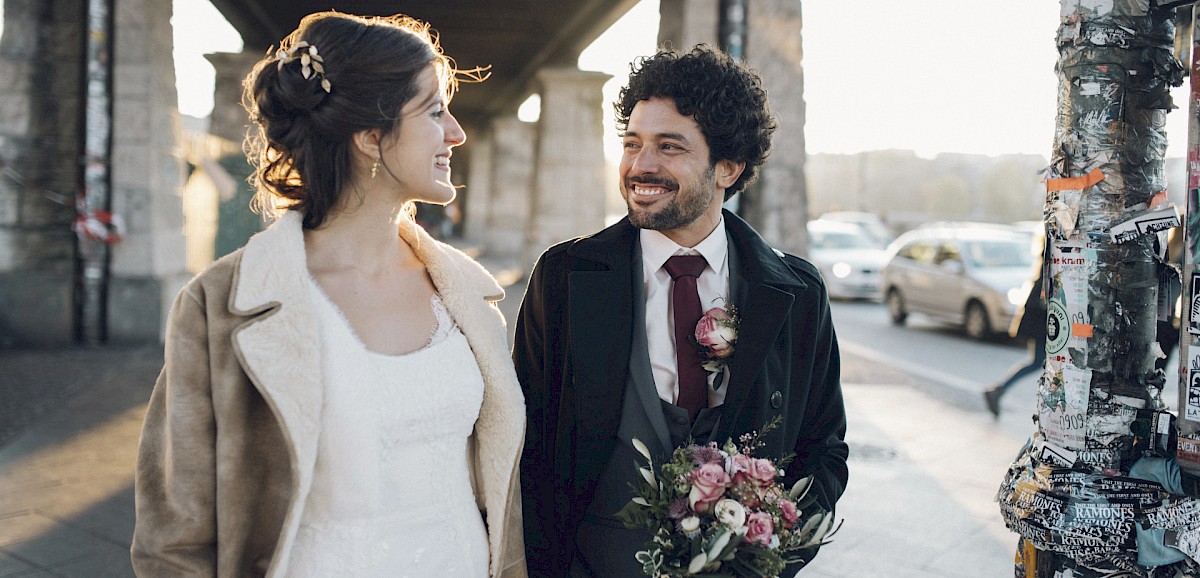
(686, 206)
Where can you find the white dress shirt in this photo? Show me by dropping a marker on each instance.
(712, 287)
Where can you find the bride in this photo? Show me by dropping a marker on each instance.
(336, 396)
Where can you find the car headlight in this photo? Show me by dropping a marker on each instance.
(841, 270)
(1016, 296)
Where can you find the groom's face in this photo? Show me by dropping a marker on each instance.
(667, 180)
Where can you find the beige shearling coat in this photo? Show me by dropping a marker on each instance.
(230, 437)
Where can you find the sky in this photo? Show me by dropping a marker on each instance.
(966, 76)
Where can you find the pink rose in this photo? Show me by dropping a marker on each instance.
(790, 514)
(759, 528)
(715, 333)
(708, 485)
(740, 466)
(763, 471)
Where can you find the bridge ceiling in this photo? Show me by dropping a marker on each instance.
(515, 37)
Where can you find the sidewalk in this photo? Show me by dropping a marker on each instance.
(925, 462)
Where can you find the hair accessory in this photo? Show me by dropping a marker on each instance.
(374, 168)
(311, 63)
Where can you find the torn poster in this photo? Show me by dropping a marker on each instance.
(1145, 222)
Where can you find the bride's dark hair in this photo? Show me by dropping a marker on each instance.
(304, 109)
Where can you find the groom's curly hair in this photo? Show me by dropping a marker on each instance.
(724, 97)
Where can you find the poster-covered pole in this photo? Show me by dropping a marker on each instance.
(96, 228)
(1095, 492)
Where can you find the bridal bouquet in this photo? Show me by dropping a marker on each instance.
(721, 512)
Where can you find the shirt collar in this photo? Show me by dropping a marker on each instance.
(657, 248)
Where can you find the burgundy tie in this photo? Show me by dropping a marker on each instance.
(685, 301)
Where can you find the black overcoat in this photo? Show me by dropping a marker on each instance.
(572, 351)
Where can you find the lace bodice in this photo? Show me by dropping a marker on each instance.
(391, 493)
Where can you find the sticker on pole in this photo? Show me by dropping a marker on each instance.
(1057, 327)
(1074, 263)
(1191, 410)
(1194, 307)
(1062, 406)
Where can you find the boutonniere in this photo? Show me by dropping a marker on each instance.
(716, 334)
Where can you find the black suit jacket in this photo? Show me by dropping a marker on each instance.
(572, 352)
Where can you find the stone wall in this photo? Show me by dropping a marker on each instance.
(39, 144)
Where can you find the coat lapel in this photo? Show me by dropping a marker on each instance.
(279, 348)
(600, 302)
(640, 373)
(764, 290)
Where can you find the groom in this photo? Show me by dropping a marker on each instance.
(598, 349)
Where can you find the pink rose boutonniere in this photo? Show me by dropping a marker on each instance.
(716, 334)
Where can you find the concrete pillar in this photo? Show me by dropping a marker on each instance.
(476, 199)
(512, 168)
(40, 108)
(778, 203)
(229, 118)
(149, 266)
(686, 23)
(229, 122)
(568, 191)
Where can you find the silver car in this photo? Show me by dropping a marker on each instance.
(964, 273)
(849, 259)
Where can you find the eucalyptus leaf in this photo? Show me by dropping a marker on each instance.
(826, 524)
(642, 449)
(634, 515)
(718, 545)
(811, 524)
(800, 488)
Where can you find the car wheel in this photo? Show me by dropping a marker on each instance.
(895, 306)
(976, 322)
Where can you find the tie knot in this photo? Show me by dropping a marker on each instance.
(685, 266)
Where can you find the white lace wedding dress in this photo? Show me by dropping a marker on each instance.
(391, 493)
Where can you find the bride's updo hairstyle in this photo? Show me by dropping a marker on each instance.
(336, 75)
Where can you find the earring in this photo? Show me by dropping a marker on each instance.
(374, 168)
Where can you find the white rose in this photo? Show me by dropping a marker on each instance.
(730, 513)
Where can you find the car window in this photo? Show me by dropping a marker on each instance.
(948, 252)
(919, 251)
(840, 240)
(998, 253)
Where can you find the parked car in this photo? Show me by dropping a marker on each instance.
(870, 223)
(964, 273)
(848, 258)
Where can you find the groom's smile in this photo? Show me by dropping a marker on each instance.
(647, 190)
